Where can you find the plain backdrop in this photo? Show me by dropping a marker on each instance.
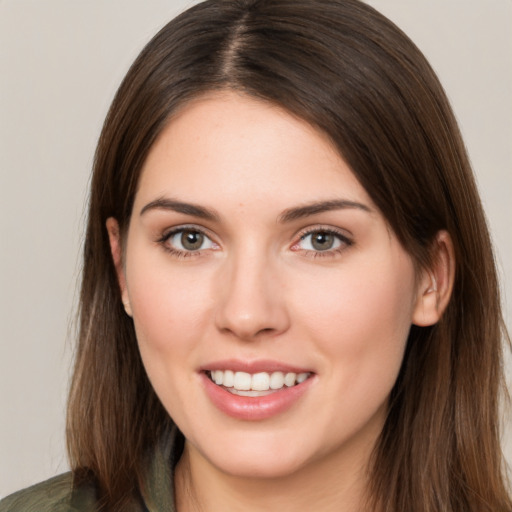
(60, 64)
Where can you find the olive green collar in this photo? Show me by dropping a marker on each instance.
(158, 488)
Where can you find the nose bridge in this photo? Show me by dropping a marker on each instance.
(251, 299)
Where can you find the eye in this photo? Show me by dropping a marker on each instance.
(186, 240)
(322, 241)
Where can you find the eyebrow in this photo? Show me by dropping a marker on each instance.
(300, 212)
(195, 210)
(288, 215)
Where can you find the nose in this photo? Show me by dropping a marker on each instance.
(251, 299)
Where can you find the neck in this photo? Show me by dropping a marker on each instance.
(336, 483)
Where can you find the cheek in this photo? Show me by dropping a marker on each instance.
(168, 306)
(169, 316)
(362, 319)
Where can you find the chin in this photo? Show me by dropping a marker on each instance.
(259, 455)
(263, 466)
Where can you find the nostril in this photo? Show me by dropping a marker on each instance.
(266, 330)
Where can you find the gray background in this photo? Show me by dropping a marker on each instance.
(60, 62)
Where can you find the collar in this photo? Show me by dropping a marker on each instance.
(158, 487)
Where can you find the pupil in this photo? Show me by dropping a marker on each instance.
(191, 240)
(322, 241)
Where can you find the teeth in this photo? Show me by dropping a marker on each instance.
(289, 379)
(250, 385)
(301, 377)
(218, 377)
(229, 379)
(242, 381)
(260, 381)
(277, 380)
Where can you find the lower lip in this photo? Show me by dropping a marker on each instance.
(254, 408)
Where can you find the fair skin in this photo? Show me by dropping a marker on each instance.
(223, 269)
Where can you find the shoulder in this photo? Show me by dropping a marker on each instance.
(53, 495)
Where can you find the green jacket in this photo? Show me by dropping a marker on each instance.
(59, 495)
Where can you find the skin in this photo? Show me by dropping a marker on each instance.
(257, 290)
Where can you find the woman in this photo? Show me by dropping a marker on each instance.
(289, 297)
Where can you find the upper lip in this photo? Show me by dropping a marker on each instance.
(256, 366)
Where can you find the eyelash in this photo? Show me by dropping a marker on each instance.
(164, 239)
(341, 237)
(329, 253)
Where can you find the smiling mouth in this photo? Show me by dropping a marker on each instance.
(256, 384)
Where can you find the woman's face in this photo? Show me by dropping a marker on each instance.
(255, 258)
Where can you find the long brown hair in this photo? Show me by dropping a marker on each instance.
(350, 72)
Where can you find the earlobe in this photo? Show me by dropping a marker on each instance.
(116, 250)
(435, 286)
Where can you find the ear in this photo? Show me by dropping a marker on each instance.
(116, 249)
(435, 286)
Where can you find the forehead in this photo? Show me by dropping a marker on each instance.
(228, 146)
